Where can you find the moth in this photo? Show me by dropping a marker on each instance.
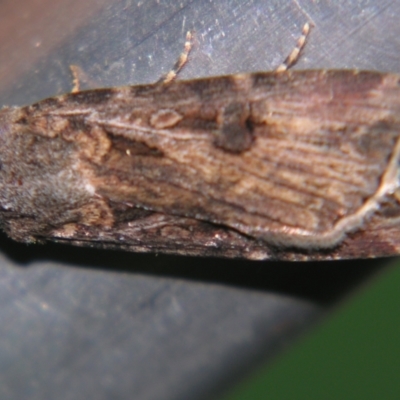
(291, 165)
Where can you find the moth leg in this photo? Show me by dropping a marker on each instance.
(293, 57)
(76, 84)
(80, 77)
(180, 62)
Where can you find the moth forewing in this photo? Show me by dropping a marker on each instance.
(284, 164)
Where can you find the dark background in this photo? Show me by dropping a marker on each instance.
(81, 323)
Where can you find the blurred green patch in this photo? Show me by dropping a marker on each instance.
(353, 354)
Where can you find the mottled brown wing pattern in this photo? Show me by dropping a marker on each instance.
(290, 165)
(293, 159)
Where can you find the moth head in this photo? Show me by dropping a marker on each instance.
(38, 184)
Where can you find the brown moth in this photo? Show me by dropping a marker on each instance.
(294, 165)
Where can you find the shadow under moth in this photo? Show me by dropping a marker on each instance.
(292, 165)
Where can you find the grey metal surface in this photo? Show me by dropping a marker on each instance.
(82, 323)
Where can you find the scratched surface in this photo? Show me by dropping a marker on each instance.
(81, 323)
